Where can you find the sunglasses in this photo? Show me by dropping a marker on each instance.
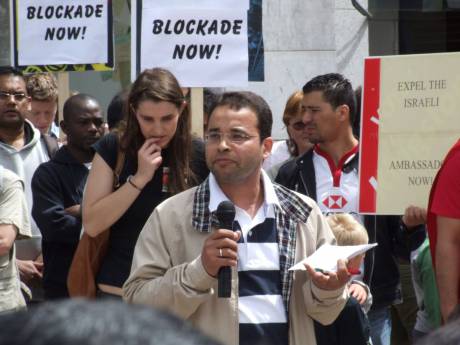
(17, 96)
(298, 126)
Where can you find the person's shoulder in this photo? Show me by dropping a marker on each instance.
(197, 143)
(177, 209)
(9, 179)
(451, 161)
(288, 165)
(281, 148)
(287, 170)
(108, 141)
(279, 153)
(306, 199)
(198, 148)
(198, 160)
(454, 160)
(178, 201)
(61, 154)
(9, 176)
(295, 162)
(292, 197)
(43, 168)
(107, 147)
(49, 171)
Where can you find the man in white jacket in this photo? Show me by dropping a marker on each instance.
(22, 151)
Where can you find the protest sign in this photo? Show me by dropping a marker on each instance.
(57, 32)
(409, 122)
(203, 45)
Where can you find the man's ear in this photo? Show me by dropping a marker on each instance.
(63, 126)
(267, 144)
(29, 104)
(344, 112)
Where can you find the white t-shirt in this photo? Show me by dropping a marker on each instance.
(337, 191)
(279, 154)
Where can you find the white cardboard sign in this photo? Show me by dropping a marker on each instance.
(54, 32)
(201, 46)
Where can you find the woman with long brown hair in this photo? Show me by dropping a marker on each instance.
(159, 159)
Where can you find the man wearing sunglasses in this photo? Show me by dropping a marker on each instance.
(22, 150)
(328, 173)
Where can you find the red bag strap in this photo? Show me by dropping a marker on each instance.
(118, 166)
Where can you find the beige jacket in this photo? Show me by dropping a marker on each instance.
(13, 211)
(167, 273)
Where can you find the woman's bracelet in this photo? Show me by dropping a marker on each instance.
(130, 181)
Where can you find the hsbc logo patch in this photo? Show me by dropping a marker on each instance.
(335, 202)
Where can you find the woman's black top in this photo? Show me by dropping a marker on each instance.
(116, 265)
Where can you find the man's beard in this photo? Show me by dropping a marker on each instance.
(12, 124)
(315, 140)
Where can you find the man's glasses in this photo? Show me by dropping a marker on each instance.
(298, 126)
(18, 96)
(233, 137)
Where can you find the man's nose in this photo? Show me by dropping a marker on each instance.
(223, 145)
(306, 117)
(11, 99)
(92, 127)
(41, 119)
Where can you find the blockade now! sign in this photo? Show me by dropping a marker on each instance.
(54, 32)
(206, 45)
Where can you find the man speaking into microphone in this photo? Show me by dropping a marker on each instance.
(189, 258)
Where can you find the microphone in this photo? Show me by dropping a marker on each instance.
(225, 214)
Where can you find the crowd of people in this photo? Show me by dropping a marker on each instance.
(155, 190)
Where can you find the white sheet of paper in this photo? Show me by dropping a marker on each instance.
(326, 256)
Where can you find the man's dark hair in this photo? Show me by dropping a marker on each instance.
(75, 103)
(82, 322)
(7, 70)
(336, 89)
(357, 120)
(210, 99)
(117, 109)
(246, 99)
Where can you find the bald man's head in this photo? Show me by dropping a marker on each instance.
(78, 103)
(83, 122)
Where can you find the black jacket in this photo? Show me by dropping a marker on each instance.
(57, 185)
(395, 240)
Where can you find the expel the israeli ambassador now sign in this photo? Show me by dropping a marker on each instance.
(410, 119)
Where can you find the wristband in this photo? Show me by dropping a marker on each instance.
(130, 181)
